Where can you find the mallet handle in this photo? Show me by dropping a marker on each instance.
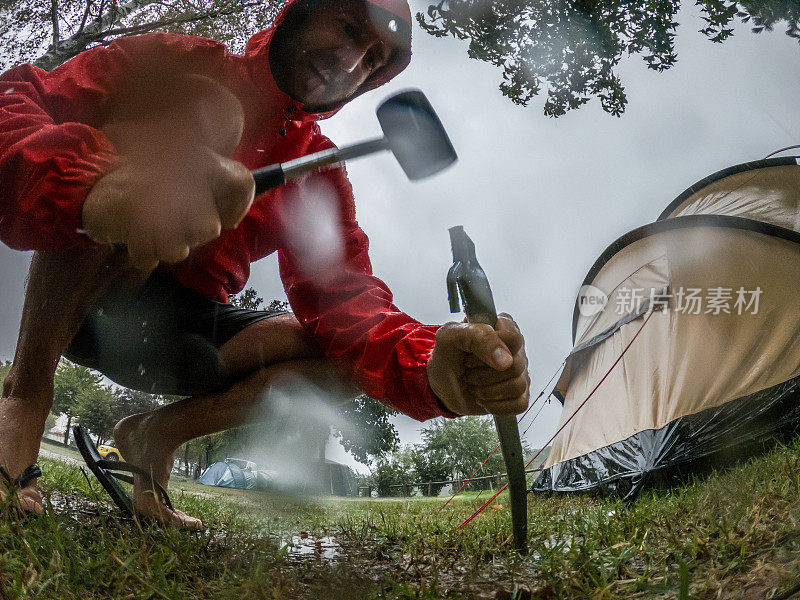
(276, 175)
(267, 178)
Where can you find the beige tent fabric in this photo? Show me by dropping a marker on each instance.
(633, 277)
(683, 363)
(769, 194)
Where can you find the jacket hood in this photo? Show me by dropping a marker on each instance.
(394, 16)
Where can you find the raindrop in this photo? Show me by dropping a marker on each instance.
(142, 370)
(313, 227)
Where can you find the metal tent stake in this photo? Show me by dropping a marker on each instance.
(467, 279)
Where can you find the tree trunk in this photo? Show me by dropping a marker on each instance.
(66, 433)
(323, 443)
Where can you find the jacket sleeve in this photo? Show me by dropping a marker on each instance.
(51, 148)
(351, 315)
(50, 158)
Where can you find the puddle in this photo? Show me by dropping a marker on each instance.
(562, 543)
(308, 546)
(71, 505)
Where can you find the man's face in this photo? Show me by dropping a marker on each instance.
(332, 53)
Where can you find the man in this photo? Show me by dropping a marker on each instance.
(127, 170)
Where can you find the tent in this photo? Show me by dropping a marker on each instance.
(713, 374)
(337, 479)
(236, 474)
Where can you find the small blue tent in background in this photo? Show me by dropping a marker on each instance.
(236, 474)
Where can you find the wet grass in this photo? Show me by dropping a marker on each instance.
(731, 535)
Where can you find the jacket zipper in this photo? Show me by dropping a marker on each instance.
(287, 117)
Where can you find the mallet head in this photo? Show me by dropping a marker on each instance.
(415, 135)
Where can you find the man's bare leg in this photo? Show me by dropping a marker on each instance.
(61, 288)
(149, 440)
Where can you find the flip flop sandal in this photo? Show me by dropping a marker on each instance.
(107, 473)
(18, 483)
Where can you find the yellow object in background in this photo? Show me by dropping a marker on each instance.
(109, 453)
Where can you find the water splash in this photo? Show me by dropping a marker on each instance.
(313, 225)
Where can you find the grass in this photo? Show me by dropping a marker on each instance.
(731, 535)
(68, 452)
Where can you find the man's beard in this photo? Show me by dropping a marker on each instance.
(286, 54)
(335, 89)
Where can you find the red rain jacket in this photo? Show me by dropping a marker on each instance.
(52, 152)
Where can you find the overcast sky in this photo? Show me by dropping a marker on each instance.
(541, 197)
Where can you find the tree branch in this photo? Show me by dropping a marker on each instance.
(126, 31)
(54, 19)
(85, 16)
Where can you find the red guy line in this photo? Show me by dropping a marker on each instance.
(496, 448)
(560, 429)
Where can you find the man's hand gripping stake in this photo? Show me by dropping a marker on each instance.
(466, 277)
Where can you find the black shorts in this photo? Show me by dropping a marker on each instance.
(163, 339)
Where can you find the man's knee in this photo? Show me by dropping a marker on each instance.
(32, 391)
(175, 107)
(274, 340)
(63, 282)
(332, 380)
(62, 287)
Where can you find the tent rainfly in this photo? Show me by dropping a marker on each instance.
(714, 374)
